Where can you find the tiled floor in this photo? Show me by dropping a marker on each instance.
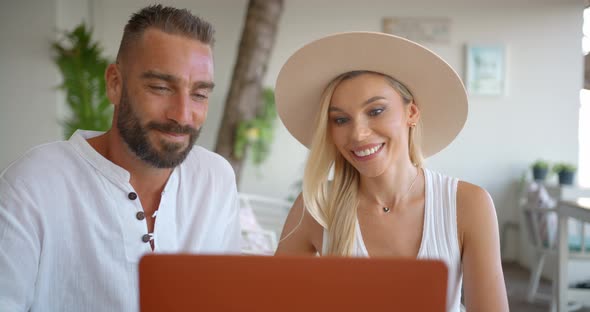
(517, 279)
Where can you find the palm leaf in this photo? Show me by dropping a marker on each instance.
(82, 67)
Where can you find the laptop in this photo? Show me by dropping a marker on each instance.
(284, 284)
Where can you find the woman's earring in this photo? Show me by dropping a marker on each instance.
(412, 125)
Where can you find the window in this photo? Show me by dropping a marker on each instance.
(584, 122)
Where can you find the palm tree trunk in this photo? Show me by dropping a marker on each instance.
(244, 98)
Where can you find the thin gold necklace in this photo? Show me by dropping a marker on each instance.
(387, 209)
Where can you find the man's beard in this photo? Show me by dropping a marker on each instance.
(135, 136)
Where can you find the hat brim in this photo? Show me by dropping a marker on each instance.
(436, 87)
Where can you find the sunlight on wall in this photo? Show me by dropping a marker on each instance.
(584, 139)
(584, 124)
(586, 30)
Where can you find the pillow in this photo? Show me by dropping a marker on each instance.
(538, 198)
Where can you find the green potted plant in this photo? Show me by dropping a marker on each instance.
(540, 170)
(565, 172)
(82, 66)
(257, 133)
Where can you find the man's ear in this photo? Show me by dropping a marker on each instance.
(114, 83)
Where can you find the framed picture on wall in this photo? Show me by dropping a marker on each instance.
(485, 69)
(419, 29)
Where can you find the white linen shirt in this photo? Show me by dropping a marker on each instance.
(70, 237)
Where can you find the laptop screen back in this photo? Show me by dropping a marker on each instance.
(284, 284)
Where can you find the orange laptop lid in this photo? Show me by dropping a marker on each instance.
(283, 284)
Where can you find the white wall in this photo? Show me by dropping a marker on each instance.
(27, 77)
(503, 135)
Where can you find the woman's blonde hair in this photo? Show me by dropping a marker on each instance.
(334, 205)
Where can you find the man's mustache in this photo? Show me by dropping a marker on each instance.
(172, 127)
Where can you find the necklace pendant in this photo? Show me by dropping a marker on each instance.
(386, 209)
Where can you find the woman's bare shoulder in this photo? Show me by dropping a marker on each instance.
(469, 195)
(301, 234)
(480, 249)
(475, 207)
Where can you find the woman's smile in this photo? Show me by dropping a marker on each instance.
(367, 152)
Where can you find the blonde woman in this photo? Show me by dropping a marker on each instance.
(380, 104)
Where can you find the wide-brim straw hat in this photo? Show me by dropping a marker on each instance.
(437, 89)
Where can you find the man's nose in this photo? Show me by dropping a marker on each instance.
(180, 109)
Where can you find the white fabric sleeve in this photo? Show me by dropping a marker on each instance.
(20, 245)
(233, 233)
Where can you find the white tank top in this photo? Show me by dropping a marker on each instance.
(439, 236)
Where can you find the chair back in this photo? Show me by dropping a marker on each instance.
(540, 215)
(262, 221)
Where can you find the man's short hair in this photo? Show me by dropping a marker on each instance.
(167, 19)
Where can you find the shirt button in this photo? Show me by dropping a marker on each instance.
(132, 196)
(140, 215)
(145, 238)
